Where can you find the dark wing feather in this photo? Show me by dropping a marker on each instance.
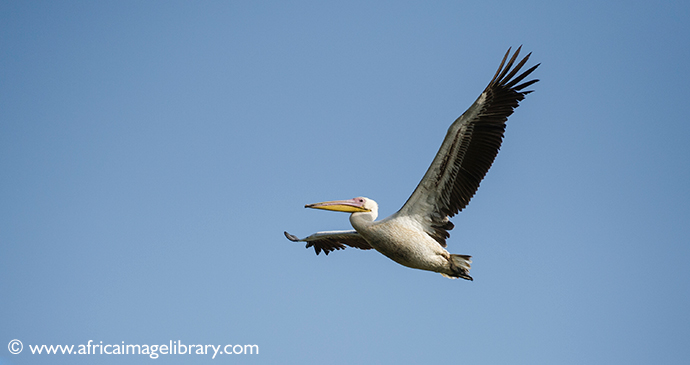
(331, 241)
(467, 152)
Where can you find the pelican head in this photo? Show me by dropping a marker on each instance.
(354, 205)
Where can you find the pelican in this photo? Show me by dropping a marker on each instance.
(415, 236)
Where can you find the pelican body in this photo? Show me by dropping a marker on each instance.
(415, 236)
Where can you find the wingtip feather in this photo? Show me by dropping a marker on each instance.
(291, 237)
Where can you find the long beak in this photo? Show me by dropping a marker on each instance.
(349, 206)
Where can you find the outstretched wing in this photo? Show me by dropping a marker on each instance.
(468, 151)
(331, 241)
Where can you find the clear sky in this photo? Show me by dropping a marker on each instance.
(152, 154)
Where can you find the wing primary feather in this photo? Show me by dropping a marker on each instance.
(521, 77)
(516, 69)
(509, 65)
(500, 67)
(526, 84)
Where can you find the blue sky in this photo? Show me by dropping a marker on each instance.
(152, 153)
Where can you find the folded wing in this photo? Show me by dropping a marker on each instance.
(331, 241)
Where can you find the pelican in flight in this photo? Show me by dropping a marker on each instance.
(415, 236)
